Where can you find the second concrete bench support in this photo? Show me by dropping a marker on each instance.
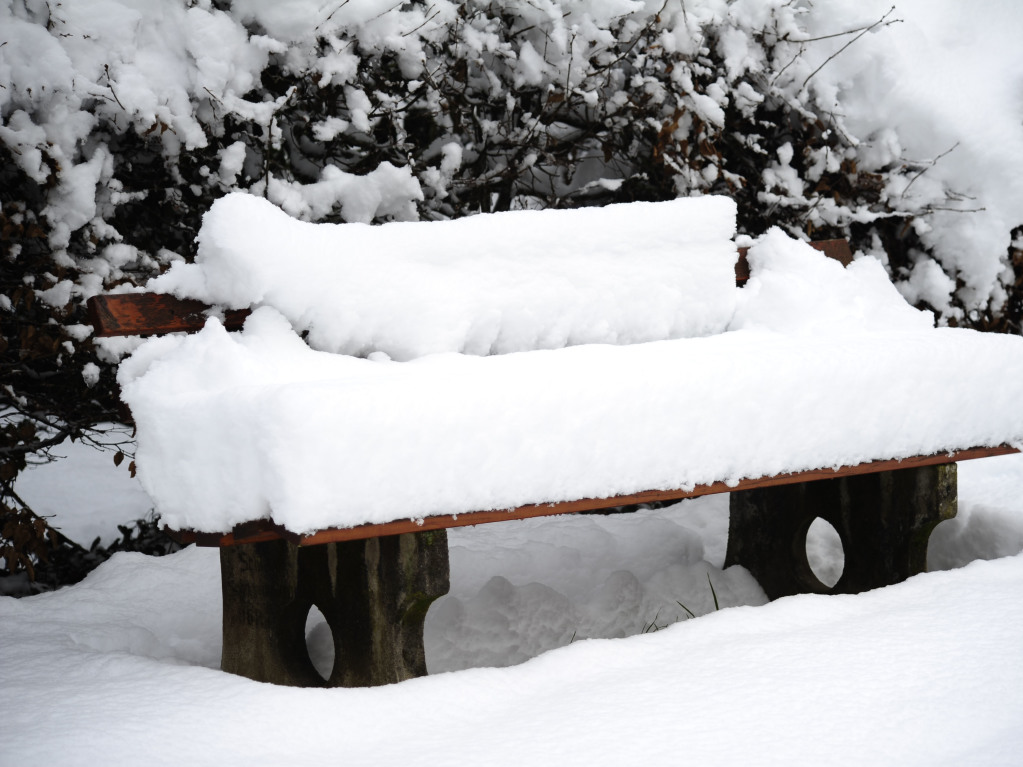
(883, 519)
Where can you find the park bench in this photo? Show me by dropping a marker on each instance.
(374, 581)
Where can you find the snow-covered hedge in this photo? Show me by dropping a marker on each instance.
(125, 119)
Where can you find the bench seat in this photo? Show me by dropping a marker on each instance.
(256, 425)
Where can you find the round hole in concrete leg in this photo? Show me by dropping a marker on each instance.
(824, 552)
(319, 641)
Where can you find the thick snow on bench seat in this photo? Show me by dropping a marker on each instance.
(480, 285)
(233, 429)
(823, 366)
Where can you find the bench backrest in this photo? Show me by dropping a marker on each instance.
(152, 314)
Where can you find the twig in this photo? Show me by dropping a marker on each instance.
(932, 164)
(110, 85)
(877, 23)
(331, 14)
(802, 50)
(8, 491)
(429, 17)
(383, 12)
(932, 208)
(35, 447)
(838, 34)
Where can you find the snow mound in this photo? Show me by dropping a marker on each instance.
(794, 290)
(480, 285)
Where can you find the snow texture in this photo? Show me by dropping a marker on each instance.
(822, 366)
(480, 285)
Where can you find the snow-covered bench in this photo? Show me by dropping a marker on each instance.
(365, 388)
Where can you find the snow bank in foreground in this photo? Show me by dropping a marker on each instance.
(479, 285)
(924, 673)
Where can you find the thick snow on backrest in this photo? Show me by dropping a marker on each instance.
(481, 285)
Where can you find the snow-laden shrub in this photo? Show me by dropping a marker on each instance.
(123, 120)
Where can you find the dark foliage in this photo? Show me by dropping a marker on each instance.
(49, 560)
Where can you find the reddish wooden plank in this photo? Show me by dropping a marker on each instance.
(836, 249)
(256, 532)
(150, 314)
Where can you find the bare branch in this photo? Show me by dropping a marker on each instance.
(875, 25)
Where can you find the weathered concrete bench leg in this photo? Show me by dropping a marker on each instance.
(883, 519)
(373, 593)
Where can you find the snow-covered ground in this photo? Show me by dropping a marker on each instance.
(122, 668)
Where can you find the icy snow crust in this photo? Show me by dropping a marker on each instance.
(820, 366)
(480, 285)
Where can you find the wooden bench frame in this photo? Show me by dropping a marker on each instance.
(375, 582)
